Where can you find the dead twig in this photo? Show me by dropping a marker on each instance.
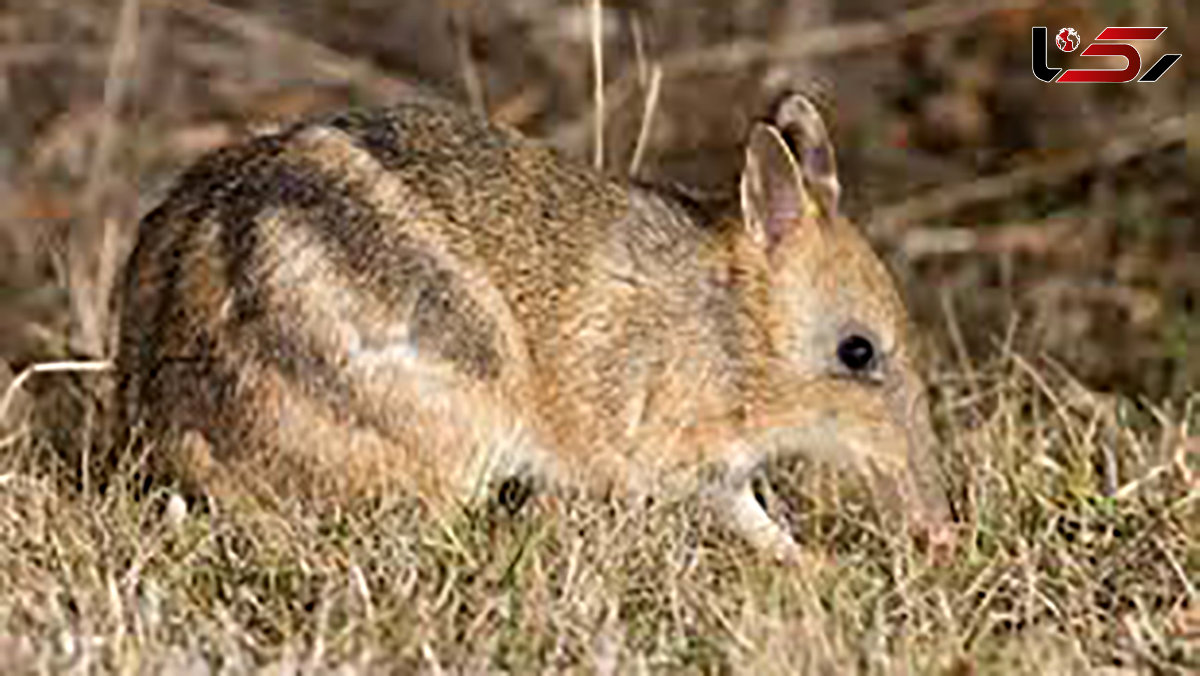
(460, 27)
(27, 54)
(90, 284)
(889, 222)
(739, 55)
(48, 367)
(326, 62)
(959, 343)
(1044, 237)
(597, 7)
(651, 108)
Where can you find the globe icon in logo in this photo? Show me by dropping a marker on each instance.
(1067, 39)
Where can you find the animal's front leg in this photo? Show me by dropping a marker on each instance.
(732, 496)
(738, 507)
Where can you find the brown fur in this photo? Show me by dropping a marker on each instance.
(415, 298)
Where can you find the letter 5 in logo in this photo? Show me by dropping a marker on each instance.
(1068, 40)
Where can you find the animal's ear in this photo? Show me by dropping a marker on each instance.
(772, 189)
(800, 123)
(789, 180)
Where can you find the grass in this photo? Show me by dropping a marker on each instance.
(1056, 574)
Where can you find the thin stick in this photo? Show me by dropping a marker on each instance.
(647, 120)
(889, 221)
(961, 353)
(326, 62)
(89, 287)
(742, 54)
(27, 54)
(460, 23)
(48, 367)
(121, 62)
(106, 277)
(639, 49)
(598, 85)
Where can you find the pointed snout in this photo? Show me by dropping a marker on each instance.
(916, 482)
(886, 434)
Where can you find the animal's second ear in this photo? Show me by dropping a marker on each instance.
(806, 135)
(773, 195)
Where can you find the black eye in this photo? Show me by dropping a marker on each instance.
(856, 352)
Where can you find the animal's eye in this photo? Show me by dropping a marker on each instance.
(856, 353)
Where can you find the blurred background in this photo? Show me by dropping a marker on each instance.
(1058, 219)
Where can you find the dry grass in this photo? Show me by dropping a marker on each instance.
(1055, 574)
(1066, 209)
